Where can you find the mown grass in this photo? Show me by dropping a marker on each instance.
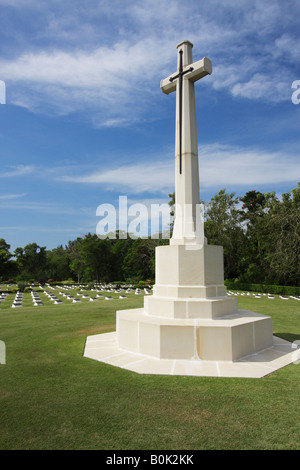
(51, 397)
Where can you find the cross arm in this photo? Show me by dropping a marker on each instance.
(167, 86)
(200, 69)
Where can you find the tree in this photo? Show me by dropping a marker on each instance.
(253, 213)
(91, 258)
(6, 263)
(120, 248)
(58, 264)
(97, 258)
(172, 212)
(282, 238)
(254, 202)
(76, 262)
(261, 242)
(223, 227)
(139, 262)
(31, 261)
(273, 233)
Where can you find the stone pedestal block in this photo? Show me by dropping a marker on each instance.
(190, 266)
(189, 316)
(227, 339)
(189, 283)
(190, 307)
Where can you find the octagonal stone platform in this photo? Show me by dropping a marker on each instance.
(104, 348)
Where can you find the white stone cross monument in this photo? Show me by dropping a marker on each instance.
(188, 223)
(190, 326)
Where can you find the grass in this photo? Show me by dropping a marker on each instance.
(51, 397)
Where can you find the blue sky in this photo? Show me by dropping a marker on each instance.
(85, 120)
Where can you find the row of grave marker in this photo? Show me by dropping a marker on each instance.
(38, 302)
(259, 296)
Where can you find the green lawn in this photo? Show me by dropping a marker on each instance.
(51, 397)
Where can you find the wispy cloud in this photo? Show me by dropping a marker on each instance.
(103, 79)
(16, 170)
(139, 178)
(42, 229)
(7, 197)
(220, 166)
(42, 207)
(228, 165)
(113, 75)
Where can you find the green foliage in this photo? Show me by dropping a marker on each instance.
(58, 264)
(254, 202)
(31, 261)
(274, 237)
(223, 227)
(139, 262)
(21, 286)
(7, 266)
(260, 238)
(263, 288)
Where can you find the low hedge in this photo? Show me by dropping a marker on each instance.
(264, 288)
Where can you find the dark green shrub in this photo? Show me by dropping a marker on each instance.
(264, 288)
(21, 286)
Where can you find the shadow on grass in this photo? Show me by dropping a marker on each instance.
(288, 336)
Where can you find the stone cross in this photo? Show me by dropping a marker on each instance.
(188, 228)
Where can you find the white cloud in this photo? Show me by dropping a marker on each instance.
(17, 170)
(113, 54)
(261, 86)
(12, 196)
(253, 79)
(41, 207)
(226, 165)
(143, 177)
(287, 48)
(105, 79)
(43, 229)
(219, 166)
(18, 3)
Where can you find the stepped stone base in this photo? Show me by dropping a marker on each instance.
(185, 308)
(226, 339)
(104, 348)
(189, 325)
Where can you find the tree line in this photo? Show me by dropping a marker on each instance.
(260, 234)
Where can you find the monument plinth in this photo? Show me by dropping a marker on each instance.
(189, 326)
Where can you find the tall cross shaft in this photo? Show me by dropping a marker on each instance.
(187, 196)
(180, 75)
